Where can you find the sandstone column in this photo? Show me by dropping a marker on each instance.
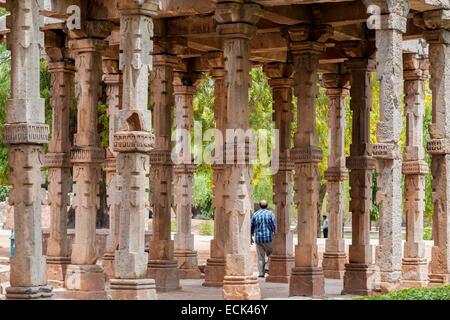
(387, 151)
(438, 37)
(57, 160)
(215, 265)
(162, 265)
(236, 27)
(112, 79)
(360, 273)
(414, 263)
(85, 279)
(334, 257)
(25, 133)
(282, 259)
(132, 142)
(306, 44)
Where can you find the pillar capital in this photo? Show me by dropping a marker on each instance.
(87, 45)
(66, 66)
(415, 67)
(308, 38)
(365, 64)
(237, 20)
(278, 70)
(336, 84)
(133, 7)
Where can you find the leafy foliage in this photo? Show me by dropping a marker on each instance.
(206, 228)
(434, 293)
(203, 194)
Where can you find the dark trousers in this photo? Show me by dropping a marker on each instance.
(325, 232)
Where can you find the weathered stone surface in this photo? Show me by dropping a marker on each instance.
(86, 282)
(132, 289)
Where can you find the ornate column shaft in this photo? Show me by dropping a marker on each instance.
(334, 257)
(360, 273)
(438, 37)
(215, 265)
(85, 279)
(113, 81)
(414, 263)
(162, 266)
(184, 90)
(282, 259)
(25, 133)
(387, 151)
(132, 142)
(58, 162)
(236, 27)
(307, 43)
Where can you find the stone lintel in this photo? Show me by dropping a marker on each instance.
(418, 167)
(439, 36)
(336, 174)
(237, 30)
(233, 12)
(306, 154)
(133, 141)
(386, 151)
(133, 7)
(57, 160)
(160, 157)
(87, 45)
(25, 133)
(360, 163)
(87, 155)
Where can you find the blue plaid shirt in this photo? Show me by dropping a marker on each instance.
(263, 226)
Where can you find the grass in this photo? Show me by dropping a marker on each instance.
(207, 228)
(433, 293)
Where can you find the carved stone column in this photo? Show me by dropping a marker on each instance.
(113, 81)
(58, 162)
(184, 90)
(414, 263)
(25, 133)
(132, 143)
(438, 37)
(162, 265)
(282, 258)
(306, 44)
(360, 273)
(334, 257)
(85, 279)
(215, 265)
(236, 27)
(387, 151)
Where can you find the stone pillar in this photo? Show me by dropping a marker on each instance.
(236, 27)
(414, 263)
(438, 37)
(25, 133)
(282, 258)
(133, 142)
(215, 265)
(85, 279)
(360, 273)
(183, 175)
(334, 257)
(387, 152)
(112, 79)
(58, 162)
(162, 265)
(306, 44)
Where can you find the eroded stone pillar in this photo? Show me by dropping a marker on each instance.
(360, 274)
(282, 258)
(306, 44)
(215, 265)
(414, 263)
(162, 265)
(58, 162)
(334, 257)
(85, 279)
(25, 133)
(389, 40)
(112, 78)
(438, 37)
(236, 27)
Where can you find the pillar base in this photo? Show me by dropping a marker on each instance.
(132, 289)
(165, 274)
(280, 269)
(187, 264)
(56, 270)
(360, 279)
(307, 281)
(390, 281)
(414, 273)
(29, 293)
(333, 265)
(241, 288)
(214, 272)
(85, 282)
(108, 265)
(439, 279)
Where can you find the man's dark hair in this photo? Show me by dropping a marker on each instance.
(324, 217)
(263, 204)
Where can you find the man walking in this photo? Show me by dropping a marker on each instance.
(263, 228)
(325, 226)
